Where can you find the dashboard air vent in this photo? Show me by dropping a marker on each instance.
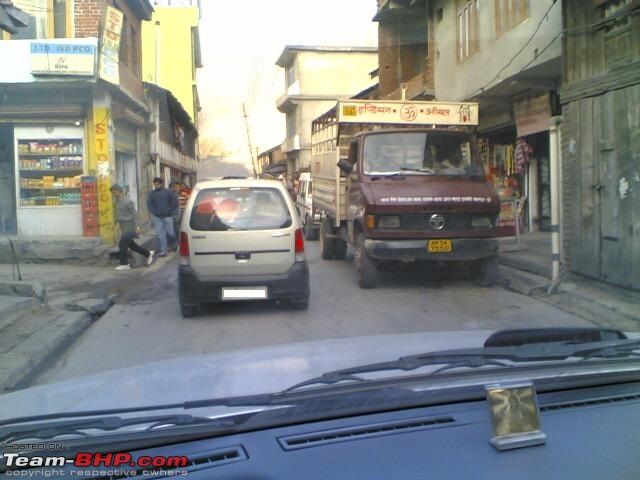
(589, 403)
(367, 431)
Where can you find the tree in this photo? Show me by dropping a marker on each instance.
(212, 147)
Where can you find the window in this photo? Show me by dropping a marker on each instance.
(135, 65)
(37, 22)
(617, 33)
(60, 18)
(291, 75)
(124, 43)
(468, 28)
(510, 13)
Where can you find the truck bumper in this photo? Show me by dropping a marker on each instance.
(290, 285)
(412, 250)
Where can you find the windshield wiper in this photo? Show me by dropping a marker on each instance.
(480, 357)
(378, 176)
(420, 170)
(75, 427)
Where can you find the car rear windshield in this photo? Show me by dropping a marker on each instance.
(222, 209)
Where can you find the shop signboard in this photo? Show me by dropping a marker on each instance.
(397, 112)
(62, 58)
(110, 49)
(533, 115)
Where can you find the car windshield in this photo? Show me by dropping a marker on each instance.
(221, 209)
(217, 213)
(417, 153)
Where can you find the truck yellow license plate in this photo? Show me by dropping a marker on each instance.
(439, 246)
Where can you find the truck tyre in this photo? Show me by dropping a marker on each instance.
(485, 271)
(340, 249)
(365, 265)
(310, 233)
(327, 245)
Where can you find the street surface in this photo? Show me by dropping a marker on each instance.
(145, 325)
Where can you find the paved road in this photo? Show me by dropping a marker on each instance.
(146, 324)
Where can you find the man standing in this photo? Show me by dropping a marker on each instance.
(162, 203)
(127, 219)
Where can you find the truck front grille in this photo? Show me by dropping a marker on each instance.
(420, 222)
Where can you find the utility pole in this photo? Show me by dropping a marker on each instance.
(246, 123)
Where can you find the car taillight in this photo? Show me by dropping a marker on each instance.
(299, 246)
(299, 241)
(184, 244)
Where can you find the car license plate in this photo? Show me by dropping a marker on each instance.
(439, 246)
(244, 293)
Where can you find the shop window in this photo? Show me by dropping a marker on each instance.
(468, 24)
(510, 13)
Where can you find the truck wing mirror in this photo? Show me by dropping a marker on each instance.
(344, 165)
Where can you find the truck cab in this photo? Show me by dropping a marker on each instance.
(408, 193)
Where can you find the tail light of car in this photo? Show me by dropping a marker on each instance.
(299, 238)
(184, 246)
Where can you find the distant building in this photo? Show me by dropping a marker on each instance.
(271, 162)
(315, 77)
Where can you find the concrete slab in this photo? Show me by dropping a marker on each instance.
(13, 307)
(28, 344)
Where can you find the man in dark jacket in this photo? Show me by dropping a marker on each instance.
(127, 220)
(162, 203)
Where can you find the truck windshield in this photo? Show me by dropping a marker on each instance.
(418, 153)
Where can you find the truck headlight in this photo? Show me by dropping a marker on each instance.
(389, 221)
(482, 221)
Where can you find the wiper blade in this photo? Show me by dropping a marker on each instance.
(49, 430)
(378, 176)
(480, 357)
(420, 170)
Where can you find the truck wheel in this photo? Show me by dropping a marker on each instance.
(485, 271)
(327, 245)
(310, 233)
(340, 249)
(365, 265)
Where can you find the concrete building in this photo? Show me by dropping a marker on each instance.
(171, 48)
(82, 116)
(315, 77)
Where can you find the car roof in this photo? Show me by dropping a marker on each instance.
(239, 182)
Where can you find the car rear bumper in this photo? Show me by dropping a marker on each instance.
(294, 284)
(411, 250)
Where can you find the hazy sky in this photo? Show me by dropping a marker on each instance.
(240, 42)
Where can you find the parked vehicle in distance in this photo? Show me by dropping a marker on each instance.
(241, 239)
(403, 182)
(304, 203)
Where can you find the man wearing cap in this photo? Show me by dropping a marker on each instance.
(127, 219)
(162, 203)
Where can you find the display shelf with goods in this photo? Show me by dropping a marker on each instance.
(50, 171)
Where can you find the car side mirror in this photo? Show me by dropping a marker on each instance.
(344, 165)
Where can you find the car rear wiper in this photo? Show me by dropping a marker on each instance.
(43, 431)
(480, 357)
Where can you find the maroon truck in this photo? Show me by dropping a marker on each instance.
(402, 186)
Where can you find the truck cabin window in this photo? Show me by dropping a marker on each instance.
(418, 153)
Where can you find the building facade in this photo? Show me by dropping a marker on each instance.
(271, 163)
(315, 77)
(72, 109)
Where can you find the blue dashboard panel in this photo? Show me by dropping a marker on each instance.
(591, 433)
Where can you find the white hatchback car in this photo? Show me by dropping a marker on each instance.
(241, 239)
